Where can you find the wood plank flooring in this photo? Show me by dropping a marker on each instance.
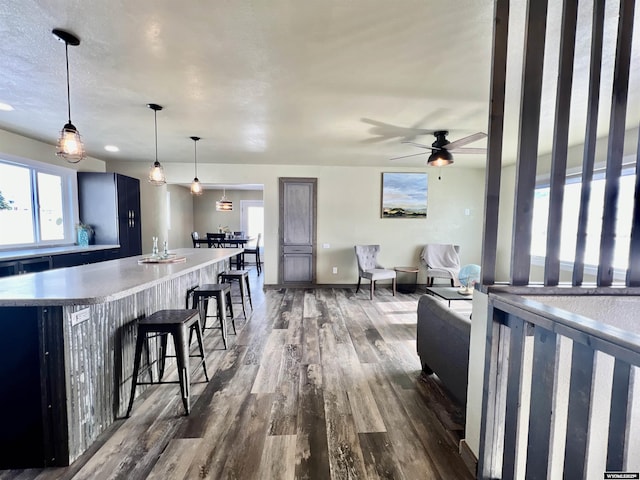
(317, 384)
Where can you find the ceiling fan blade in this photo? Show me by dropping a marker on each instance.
(465, 140)
(417, 144)
(479, 151)
(406, 156)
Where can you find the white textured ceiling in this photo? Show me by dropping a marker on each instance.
(329, 82)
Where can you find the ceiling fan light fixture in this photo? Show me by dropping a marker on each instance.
(156, 174)
(440, 158)
(196, 187)
(69, 145)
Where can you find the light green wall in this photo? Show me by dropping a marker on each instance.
(348, 212)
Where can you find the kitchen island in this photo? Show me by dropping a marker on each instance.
(67, 339)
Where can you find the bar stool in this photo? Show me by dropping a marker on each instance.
(200, 299)
(162, 323)
(242, 277)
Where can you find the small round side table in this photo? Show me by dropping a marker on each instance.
(407, 277)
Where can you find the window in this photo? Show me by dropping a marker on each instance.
(569, 228)
(36, 206)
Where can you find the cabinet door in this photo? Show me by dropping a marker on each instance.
(129, 216)
(297, 230)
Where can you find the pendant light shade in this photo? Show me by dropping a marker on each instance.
(156, 174)
(224, 205)
(69, 143)
(440, 158)
(196, 188)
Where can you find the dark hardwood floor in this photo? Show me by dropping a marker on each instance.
(317, 384)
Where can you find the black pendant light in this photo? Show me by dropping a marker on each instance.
(196, 188)
(69, 143)
(440, 156)
(156, 174)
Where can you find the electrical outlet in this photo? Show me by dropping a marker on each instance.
(335, 270)
(326, 245)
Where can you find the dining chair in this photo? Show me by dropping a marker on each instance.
(442, 261)
(369, 268)
(216, 240)
(194, 237)
(254, 250)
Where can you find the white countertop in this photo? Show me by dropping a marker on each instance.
(103, 281)
(8, 255)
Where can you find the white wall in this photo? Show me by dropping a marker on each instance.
(207, 219)
(348, 212)
(24, 147)
(180, 216)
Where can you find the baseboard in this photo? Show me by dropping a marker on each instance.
(468, 457)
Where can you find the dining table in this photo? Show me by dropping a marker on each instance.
(228, 242)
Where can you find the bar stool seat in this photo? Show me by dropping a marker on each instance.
(242, 277)
(175, 323)
(200, 299)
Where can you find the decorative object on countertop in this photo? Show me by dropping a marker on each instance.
(165, 249)
(69, 144)
(84, 234)
(154, 251)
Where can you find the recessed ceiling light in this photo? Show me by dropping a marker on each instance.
(5, 107)
(111, 148)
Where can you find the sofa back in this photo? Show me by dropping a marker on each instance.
(443, 344)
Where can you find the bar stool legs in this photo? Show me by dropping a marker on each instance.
(178, 324)
(222, 293)
(242, 277)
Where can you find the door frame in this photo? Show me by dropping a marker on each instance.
(281, 182)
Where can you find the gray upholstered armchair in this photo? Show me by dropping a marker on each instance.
(369, 268)
(442, 261)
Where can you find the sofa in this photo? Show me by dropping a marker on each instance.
(443, 345)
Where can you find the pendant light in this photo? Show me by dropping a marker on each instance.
(224, 205)
(69, 144)
(196, 188)
(156, 174)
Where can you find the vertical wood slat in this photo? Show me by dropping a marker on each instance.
(579, 409)
(494, 146)
(591, 134)
(535, 31)
(487, 449)
(514, 384)
(560, 140)
(541, 405)
(618, 416)
(633, 271)
(616, 141)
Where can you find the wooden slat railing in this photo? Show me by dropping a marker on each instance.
(517, 389)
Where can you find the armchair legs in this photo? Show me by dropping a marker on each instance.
(372, 287)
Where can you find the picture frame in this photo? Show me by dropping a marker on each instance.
(404, 195)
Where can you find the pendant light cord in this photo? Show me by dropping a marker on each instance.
(155, 122)
(195, 157)
(66, 51)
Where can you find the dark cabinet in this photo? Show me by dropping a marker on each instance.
(83, 258)
(110, 203)
(26, 265)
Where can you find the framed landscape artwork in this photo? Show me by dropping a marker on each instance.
(404, 195)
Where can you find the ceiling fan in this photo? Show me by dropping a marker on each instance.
(441, 150)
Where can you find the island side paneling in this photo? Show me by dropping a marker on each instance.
(99, 354)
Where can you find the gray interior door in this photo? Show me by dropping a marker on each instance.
(297, 230)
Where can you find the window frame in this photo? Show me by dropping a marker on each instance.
(69, 201)
(574, 175)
